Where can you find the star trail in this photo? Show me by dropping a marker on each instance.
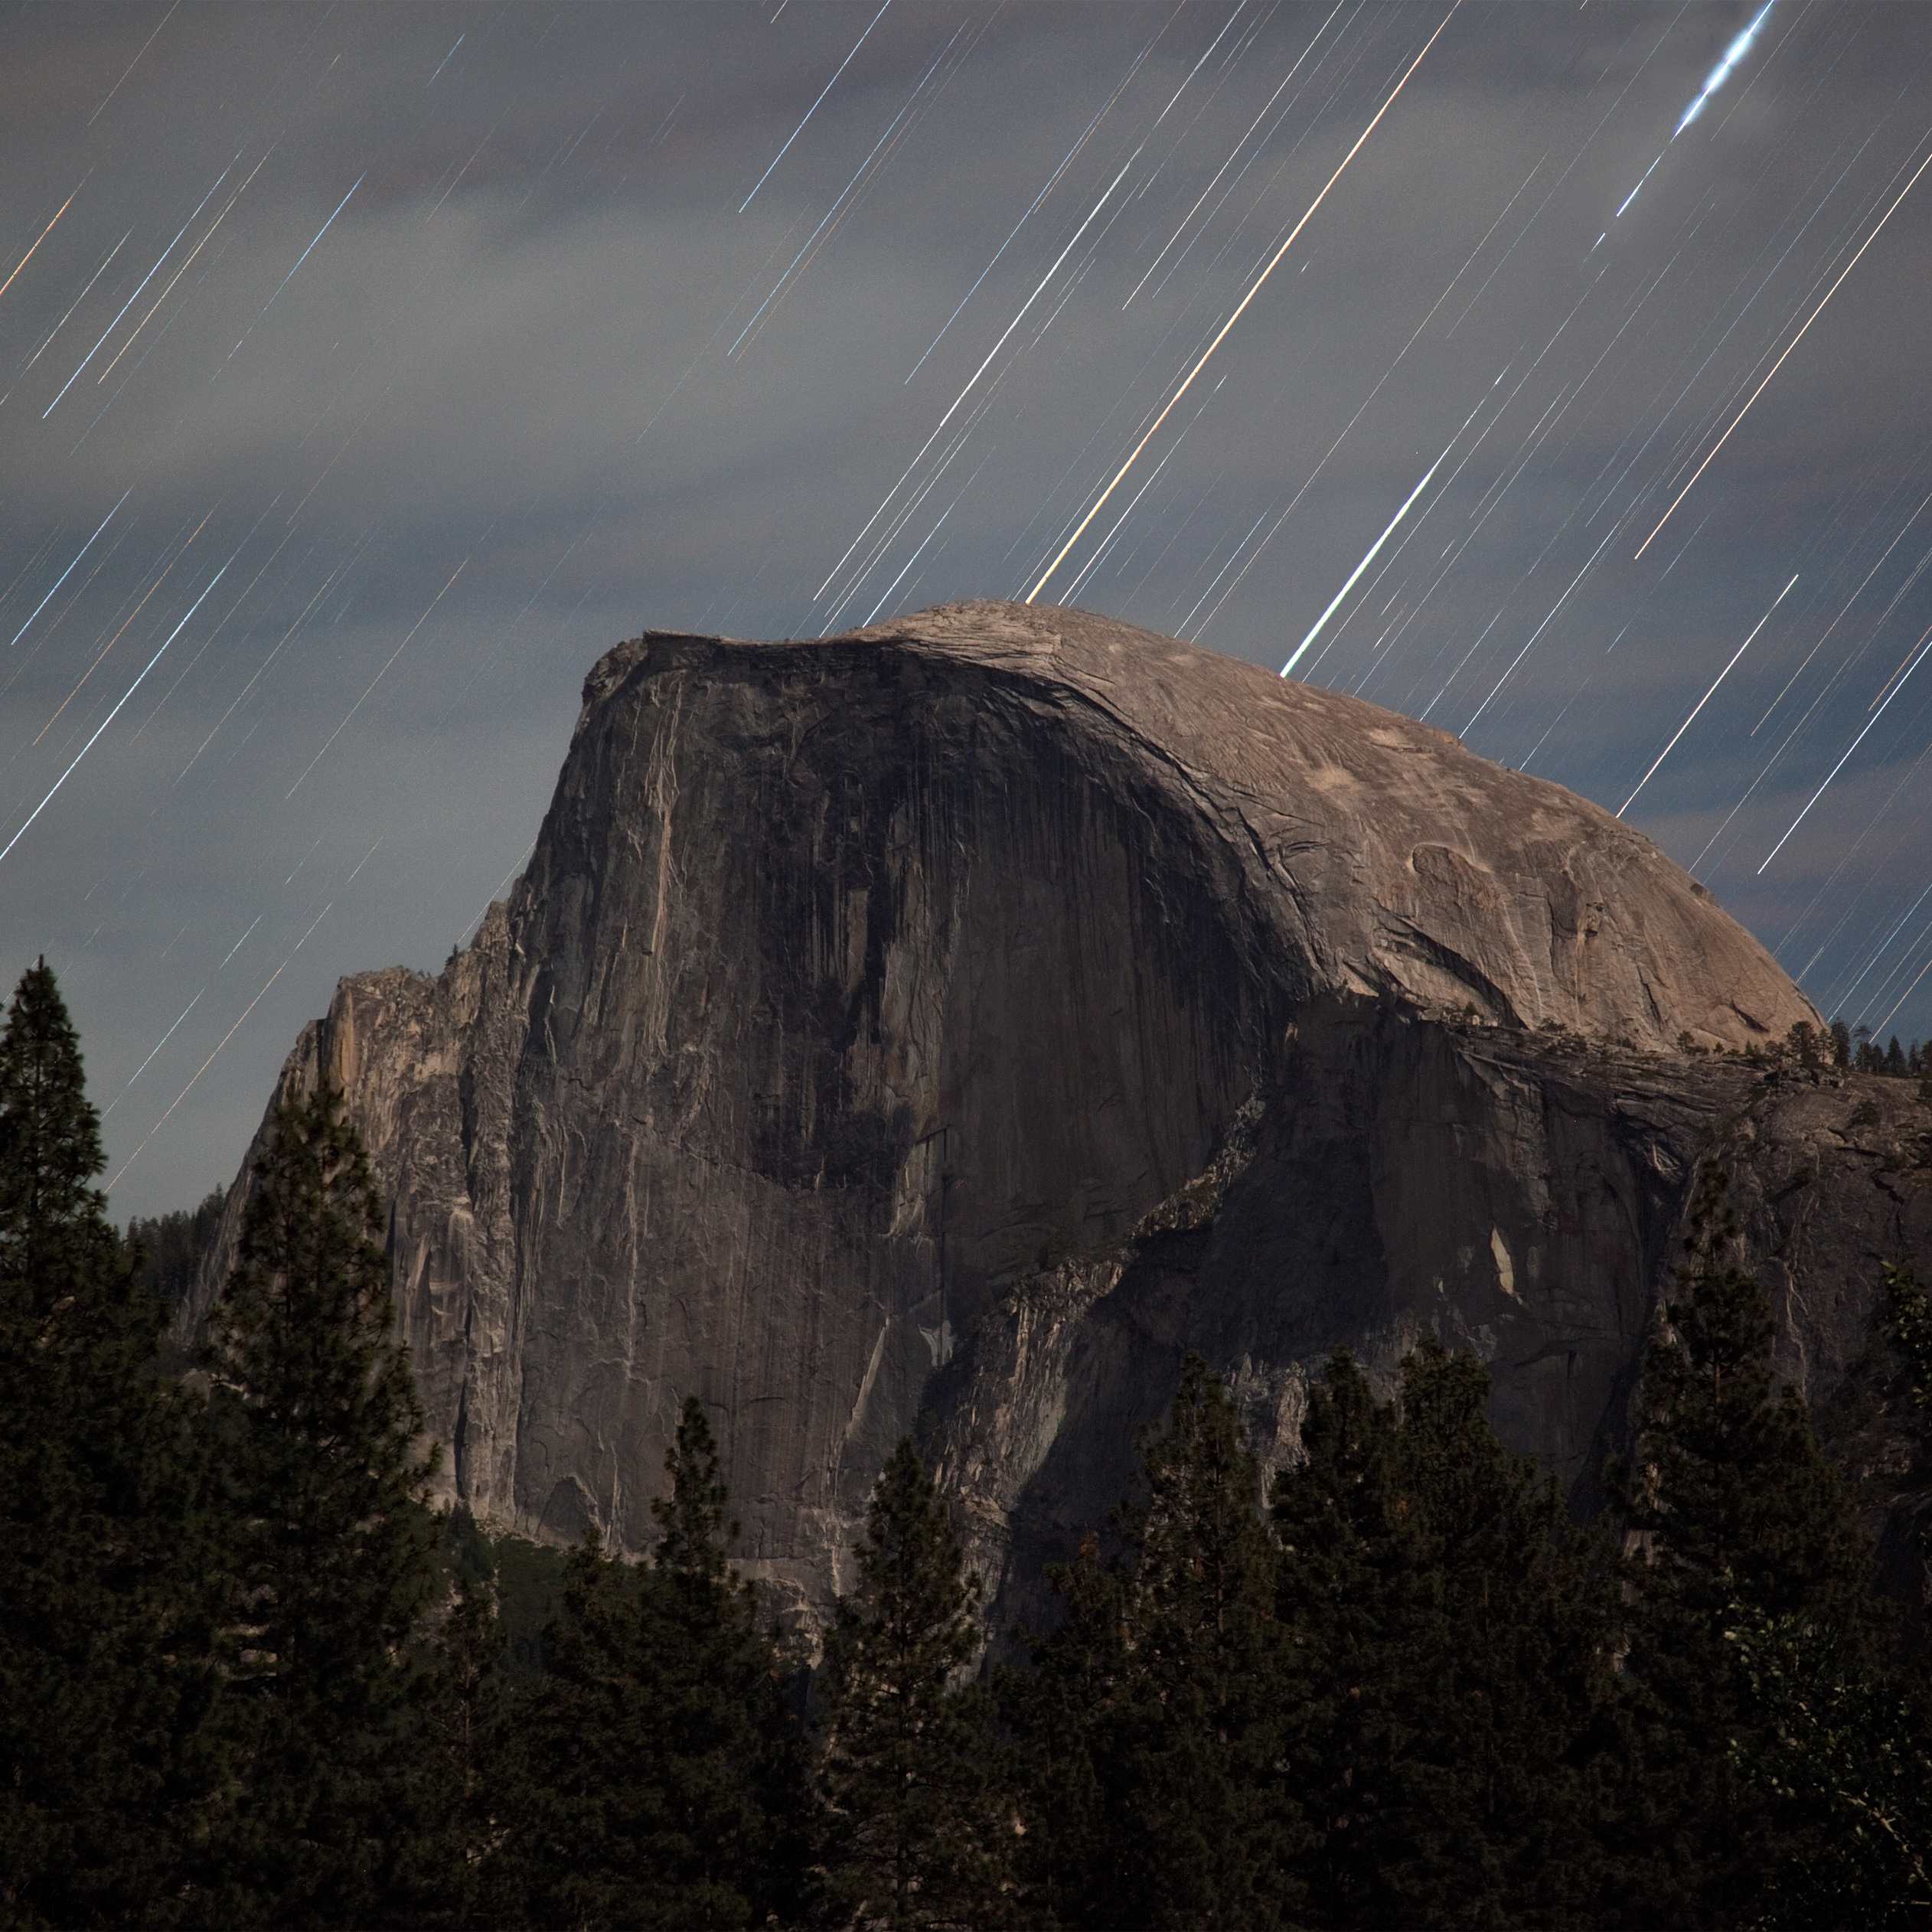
(1553, 374)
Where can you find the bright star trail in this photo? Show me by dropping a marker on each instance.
(1765, 382)
(1730, 666)
(1221, 335)
(365, 372)
(1374, 551)
(1722, 71)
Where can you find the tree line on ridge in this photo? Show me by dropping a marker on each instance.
(248, 1674)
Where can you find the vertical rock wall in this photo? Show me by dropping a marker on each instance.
(863, 999)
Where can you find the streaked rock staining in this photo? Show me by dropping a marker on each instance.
(943, 1026)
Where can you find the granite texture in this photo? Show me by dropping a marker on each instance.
(941, 1027)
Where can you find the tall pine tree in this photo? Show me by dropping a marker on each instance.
(107, 1680)
(1455, 1650)
(1842, 1738)
(1845, 1746)
(1735, 1516)
(917, 1829)
(655, 1776)
(1061, 1711)
(317, 1420)
(446, 1818)
(1163, 1722)
(733, 1770)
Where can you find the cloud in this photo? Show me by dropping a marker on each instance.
(517, 349)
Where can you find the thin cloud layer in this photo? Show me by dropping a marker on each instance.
(403, 361)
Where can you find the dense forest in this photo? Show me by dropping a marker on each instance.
(248, 1676)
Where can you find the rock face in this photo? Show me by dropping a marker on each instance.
(944, 1026)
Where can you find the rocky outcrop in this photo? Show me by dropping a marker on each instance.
(946, 1025)
(1519, 1194)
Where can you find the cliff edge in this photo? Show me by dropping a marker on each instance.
(941, 1026)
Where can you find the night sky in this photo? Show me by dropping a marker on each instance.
(366, 371)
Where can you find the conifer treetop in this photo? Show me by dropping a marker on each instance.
(696, 1536)
(50, 1136)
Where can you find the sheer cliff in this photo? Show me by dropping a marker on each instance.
(943, 1026)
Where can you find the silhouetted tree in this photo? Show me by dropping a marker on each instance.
(916, 1828)
(316, 1417)
(1844, 1739)
(1162, 1728)
(445, 1825)
(1842, 1743)
(172, 1246)
(107, 1682)
(1456, 1646)
(733, 1766)
(1735, 1512)
(655, 1775)
(1803, 1044)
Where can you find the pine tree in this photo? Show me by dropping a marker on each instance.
(733, 1770)
(1910, 1323)
(445, 1822)
(1211, 1827)
(1349, 1595)
(1844, 1745)
(564, 1791)
(106, 1675)
(917, 1829)
(1842, 1739)
(655, 1776)
(174, 1243)
(1163, 1722)
(317, 1418)
(1454, 1649)
(1063, 1712)
(1737, 1515)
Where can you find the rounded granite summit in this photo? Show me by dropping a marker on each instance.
(1383, 856)
(961, 1017)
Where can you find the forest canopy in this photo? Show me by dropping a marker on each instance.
(249, 1675)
